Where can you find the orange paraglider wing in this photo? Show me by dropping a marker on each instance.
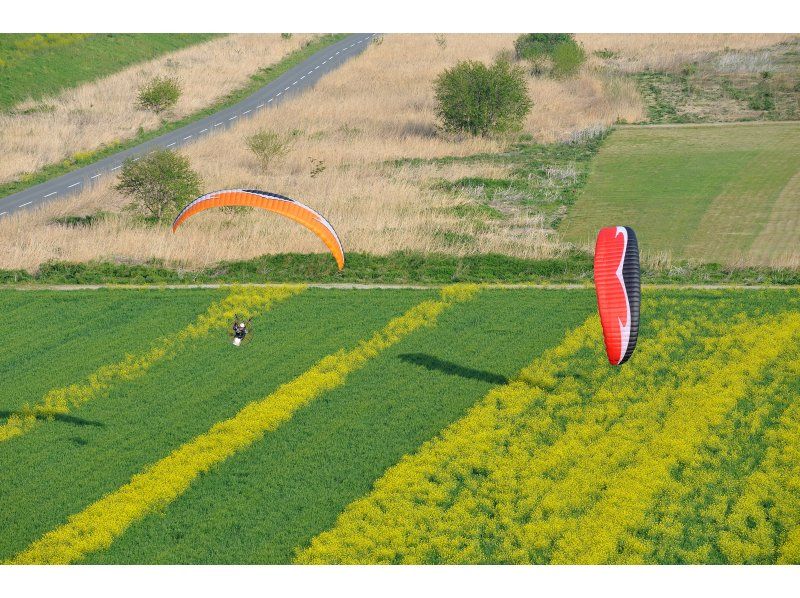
(271, 202)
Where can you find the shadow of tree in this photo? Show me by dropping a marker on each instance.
(432, 363)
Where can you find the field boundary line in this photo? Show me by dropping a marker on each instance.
(355, 286)
(63, 400)
(96, 527)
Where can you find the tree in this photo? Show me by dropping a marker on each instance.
(161, 183)
(268, 146)
(159, 94)
(479, 99)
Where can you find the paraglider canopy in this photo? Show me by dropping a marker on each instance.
(271, 202)
(617, 283)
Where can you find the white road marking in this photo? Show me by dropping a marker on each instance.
(74, 185)
(187, 137)
(295, 83)
(309, 72)
(316, 67)
(324, 61)
(27, 203)
(262, 105)
(246, 111)
(287, 89)
(217, 124)
(96, 175)
(117, 167)
(268, 101)
(3, 213)
(170, 144)
(204, 130)
(303, 77)
(337, 53)
(232, 118)
(136, 159)
(53, 193)
(277, 94)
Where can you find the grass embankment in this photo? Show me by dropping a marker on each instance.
(395, 268)
(36, 65)
(724, 194)
(258, 80)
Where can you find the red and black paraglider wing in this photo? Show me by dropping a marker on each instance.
(617, 283)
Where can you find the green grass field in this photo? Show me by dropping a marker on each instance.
(727, 194)
(36, 65)
(476, 426)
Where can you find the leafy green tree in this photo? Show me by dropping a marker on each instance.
(160, 184)
(479, 99)
(159, 94)
(268, 146)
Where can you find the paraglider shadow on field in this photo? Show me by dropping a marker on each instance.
(432, 363)
(67, 419)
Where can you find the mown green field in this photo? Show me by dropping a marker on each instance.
(467, 425)
(715, 193)
(36, 65)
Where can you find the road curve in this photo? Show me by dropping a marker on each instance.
(293, 81)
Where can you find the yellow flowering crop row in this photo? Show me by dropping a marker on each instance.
(769, 506)
(97, 526)
(685, 523)
(548, 468)
(712, 388)
(243, 300)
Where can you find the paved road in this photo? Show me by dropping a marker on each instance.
(290, 83)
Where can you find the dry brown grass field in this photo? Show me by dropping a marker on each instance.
(374, 109)
(104, 111)
(636, 52)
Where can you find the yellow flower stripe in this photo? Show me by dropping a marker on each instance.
(489, 491)
(58, 401)
(435, 497)
(96, 527)
(712, 389)
(769, 506)
(684, 524)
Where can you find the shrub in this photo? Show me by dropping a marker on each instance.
(567, 58)
(161, 183)
(268, 146)
(557, 52)
(529, 46)
(479, 99)
(286, 35)
(159, 94)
